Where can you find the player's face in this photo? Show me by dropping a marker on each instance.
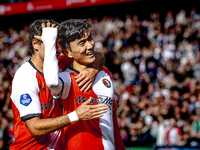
(40, 49)
(58, 46)
(82, 50)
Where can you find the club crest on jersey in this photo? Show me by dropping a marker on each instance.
(106, 82)
(25, 99)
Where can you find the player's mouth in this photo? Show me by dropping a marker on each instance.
(90, 54)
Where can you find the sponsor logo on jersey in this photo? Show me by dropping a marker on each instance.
(81, 99)
(106, 82)
(108, 101)
(45, 106)
(25, 99)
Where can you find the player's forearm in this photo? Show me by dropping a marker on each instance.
(50, 67)
(99, 61)
(39, 126)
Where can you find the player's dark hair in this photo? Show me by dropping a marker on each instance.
(35, 28)
(73, 29)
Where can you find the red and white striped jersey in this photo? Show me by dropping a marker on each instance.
(32, 98)
(97, 133)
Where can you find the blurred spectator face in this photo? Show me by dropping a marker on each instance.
(181, 69)
(124, 134)
(137, 88)
(4, 123)
(194, 117)
(176, 95)
(164, 109)
(193, 99)
(172, 122)
(156, 111)
(174, 102)
(186, 95)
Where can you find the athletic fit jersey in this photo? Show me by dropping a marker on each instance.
(95, 134)
(32, 98)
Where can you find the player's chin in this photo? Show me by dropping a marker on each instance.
(90, 60)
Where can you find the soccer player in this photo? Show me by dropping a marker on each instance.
(38, 113)
(99, 133)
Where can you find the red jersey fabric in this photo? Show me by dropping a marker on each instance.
(32, 98)
(97, 133)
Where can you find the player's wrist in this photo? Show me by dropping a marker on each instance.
(73, 116)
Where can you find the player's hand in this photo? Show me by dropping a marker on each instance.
(86, 78)
(43, 26)
(88, 112)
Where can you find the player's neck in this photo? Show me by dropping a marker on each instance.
(78, 66)
(38, 63)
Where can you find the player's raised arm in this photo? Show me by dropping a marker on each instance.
(50, 67)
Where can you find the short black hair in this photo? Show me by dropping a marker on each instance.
(73, 29)
(35, 28)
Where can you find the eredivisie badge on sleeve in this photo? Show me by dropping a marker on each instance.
(106, 82)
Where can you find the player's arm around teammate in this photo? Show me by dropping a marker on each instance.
(87, 76)
(38, 126)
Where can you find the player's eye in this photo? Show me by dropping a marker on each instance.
(82, 43)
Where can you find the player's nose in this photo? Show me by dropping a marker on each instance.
(90, 44)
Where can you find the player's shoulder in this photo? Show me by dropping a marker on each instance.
(103, 73)
(25, 72)
(65, 75)
(106, 70)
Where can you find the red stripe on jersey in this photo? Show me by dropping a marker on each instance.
(82, 134)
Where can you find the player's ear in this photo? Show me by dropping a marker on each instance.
(69, 53)
(35, 44)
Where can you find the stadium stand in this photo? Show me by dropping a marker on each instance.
(155, 64)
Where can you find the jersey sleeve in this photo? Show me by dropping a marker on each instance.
(25, 96)
(65, 76)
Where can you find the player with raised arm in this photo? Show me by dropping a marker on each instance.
(38, 113)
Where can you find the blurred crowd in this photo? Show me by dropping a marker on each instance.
(155, 65)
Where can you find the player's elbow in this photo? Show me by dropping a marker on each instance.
(34, 126)
(51, 83)
(35, 133)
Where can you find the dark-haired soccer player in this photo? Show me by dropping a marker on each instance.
(99, 133)
(38, 114)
